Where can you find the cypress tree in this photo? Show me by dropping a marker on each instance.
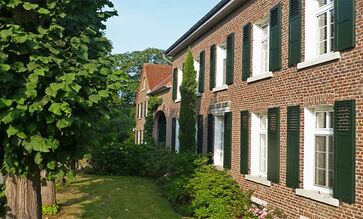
(187, 117)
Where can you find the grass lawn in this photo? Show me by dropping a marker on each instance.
(113, 197)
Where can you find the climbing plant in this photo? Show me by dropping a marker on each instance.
(153, 103)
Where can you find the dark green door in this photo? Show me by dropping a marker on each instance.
(162, 129)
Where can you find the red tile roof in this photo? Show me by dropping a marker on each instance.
(156, 74)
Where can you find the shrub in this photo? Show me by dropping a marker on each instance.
(2, 200)
(208, 193)
(50, 210)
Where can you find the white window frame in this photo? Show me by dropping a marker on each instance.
(309, 148)
(197, 70)
(256, 131)
(258, 39)
(180, 80)
(177, 143)
(312, 55)
(218, 140)
(320, 11)
(221, 69)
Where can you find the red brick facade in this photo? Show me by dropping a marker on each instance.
(322, 84)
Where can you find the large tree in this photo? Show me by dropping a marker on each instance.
(187, 117)
(55, 79)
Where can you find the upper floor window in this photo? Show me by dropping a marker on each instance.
(180, 79)
(221, 65)
(261, 47)
(320, 32)
(197, 70)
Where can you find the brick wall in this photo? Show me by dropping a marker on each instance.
(318, 85)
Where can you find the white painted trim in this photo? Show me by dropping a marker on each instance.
(220, 88)
(258, 201)
(259, 77)
(220, 111)
(316, 196)
(303, 217)
(178, 100)
(319, 60)
(259, 180)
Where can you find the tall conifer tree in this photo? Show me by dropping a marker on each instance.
(187, 117)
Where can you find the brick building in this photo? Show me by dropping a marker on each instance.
(280, 101)
(155, 80)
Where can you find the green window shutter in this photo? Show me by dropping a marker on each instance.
(273, 154)
(230, 59)
(246, 54)
(295, 32)
(173, 134)
(200, 135)
(244, 142)
(201, 72)
(344, 24)
(175, 83)
(275, 38)
(344, 151)
(212, 70)
(227, 152)
(210, 133)
(293, 147)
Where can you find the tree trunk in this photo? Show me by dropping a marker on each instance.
(49, 193)
(23, 197)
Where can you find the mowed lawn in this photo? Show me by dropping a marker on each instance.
(112, 197)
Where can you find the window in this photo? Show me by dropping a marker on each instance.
(218, 140)
(177, 144)
(325, 17)
(323, 134)
(261, 47)
(259, 145)
(196, 67)
(180, 79)
(319, 150)
(319, 14)
(221, 66)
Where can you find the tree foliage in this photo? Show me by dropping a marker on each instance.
(55, 77)
(187, 117)
(132, 63)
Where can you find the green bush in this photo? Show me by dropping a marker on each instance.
(208, 193)
(50, 210)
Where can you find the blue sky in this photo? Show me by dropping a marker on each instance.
(153, 23)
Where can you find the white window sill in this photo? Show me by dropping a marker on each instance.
(258, 201)
(198, 94)
(221, 88)
(319, 60)
(177, 100)
(258, 179)
(320, 197)
(259, 77)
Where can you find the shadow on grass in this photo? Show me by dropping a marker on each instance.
(115, 197)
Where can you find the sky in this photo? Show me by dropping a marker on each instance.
(144, 24)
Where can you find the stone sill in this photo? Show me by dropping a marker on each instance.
(259, 77)
(319, 60)
(258, 179)
(316, 196)
(221, 88)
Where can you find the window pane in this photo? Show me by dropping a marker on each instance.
(320, 177)
(263, 153)
(331, 123)
(320, 143)
(264, 56)
(332, 30)
(320, 120)
(320, 160)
